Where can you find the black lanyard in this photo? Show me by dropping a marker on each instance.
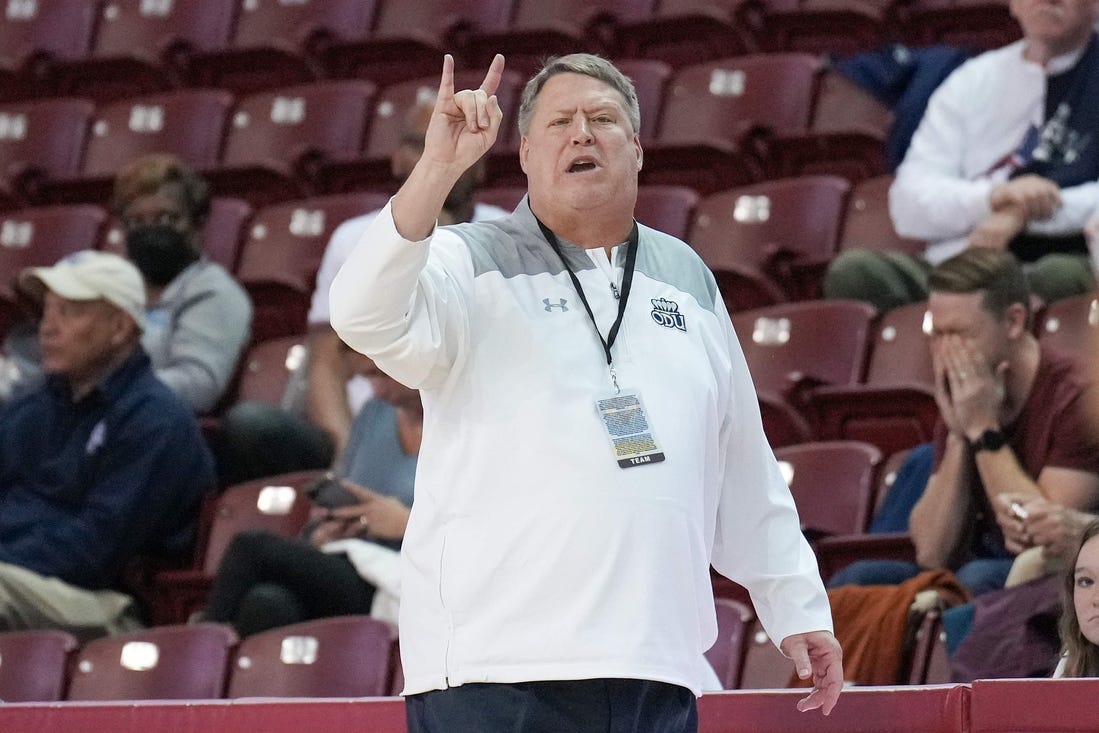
(627, 281)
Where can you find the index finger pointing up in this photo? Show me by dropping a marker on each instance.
(446, 82)
(492, 77)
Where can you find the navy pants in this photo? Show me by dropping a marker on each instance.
(575, 706)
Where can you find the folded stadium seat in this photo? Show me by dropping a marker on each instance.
(667, 208)
(770, 242)
(650, 79)
(791, 348)
(411, 36)
(280, 258)
(267, 368)
(719, 116)
(837, 552)
(979, 25)
(1070, 324)
(540, 29)
(783, 423)
(836, 27)
(370, 169)
(161, 663)
(188, 123)
(273, 504)
(685, 32)
(37, 34)
(894, 407)
(37, 237)
(279, 140)
(928, 661)
(764, 666)
(867, 223)
(143, 46)
(342, 656)
(39, 141)
(221, 237)
(846, 136)
(279, 43)
(832, 483)
(726, 656)
(34, 665)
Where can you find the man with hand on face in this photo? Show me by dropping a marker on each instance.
(592, 439)
(1012, 429)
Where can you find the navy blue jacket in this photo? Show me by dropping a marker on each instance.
(85, 487)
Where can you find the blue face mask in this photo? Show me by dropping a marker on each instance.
(160, 252)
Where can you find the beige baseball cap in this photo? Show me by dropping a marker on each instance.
(91, 275)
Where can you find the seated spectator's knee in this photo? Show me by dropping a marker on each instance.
(267, 606)
(248, 542)
(852, 274)
(1058, 276)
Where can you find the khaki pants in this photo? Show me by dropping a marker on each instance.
(30, 601)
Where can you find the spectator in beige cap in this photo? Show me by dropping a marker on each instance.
(99, 465)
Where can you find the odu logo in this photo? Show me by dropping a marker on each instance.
(666, 313)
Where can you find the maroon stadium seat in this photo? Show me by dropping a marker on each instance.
(894, 407)
(160, 663)
(867, 223)
(726, 656)
(343, 656)
(278, 43)
(142, 47)
(540, 29)
(280, 258)
(37, 34)
(719, 115)
(832, 483)
(684, 32)
(411, 36)
(770, 241)
(40, 141)
(273, 504)
(37, 237)
(34, 665)
(186, 123)
(279, 140)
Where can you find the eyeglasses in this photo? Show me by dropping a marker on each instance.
(174, 219)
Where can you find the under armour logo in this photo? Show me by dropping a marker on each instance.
(666, 313)
(563, 305)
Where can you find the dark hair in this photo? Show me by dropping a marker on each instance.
(994, 273)
(585, 64)
(148, 174)
(1081, 655)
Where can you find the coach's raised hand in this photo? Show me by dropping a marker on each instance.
(463, 127)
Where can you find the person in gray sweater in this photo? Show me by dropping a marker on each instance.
(198, 318)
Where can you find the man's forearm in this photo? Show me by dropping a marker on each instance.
(939, 519)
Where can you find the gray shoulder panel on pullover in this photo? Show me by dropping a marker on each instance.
(513, 246)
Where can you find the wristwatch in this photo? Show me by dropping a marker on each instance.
(990, 439)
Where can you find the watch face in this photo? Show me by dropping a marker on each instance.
(990, 440)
